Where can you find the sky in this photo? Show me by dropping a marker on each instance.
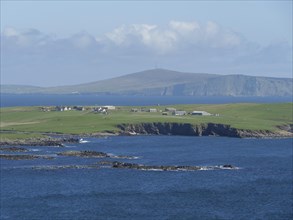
(50, 43)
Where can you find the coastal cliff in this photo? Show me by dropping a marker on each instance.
(186, 129)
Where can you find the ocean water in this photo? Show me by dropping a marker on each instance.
(260, 189)
(52, 100)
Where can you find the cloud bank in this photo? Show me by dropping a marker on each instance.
(32, 57)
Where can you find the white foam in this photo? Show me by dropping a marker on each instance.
(81, 141)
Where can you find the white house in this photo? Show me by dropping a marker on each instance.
(109, 107)
(152, 110)
(62, 108)
(200, 113)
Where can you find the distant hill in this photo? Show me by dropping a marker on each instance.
(167, 82)
(20, 89)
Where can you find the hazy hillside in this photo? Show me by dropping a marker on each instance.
(20, 89)
(167, 82)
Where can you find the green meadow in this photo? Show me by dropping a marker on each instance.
(24, 122)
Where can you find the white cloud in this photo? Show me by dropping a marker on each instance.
(219, 37)
(148, 36)
(83, 40)
(26, 37)
(184, 27)
(177, 34)
(10, 32)
(186, 46)
(143, 37)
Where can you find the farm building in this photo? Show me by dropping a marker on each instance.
(78, 108)
(45, 109)
(200, 113)
(62, 108)
(179, 113)
(170, 109)
(109, 107)
(152, 110)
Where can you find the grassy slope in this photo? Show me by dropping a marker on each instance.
(243, 116)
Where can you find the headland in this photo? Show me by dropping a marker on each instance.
(54, 125)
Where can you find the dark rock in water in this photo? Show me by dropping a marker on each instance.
(24, 157)
(123, 157)
(13, 149)
(84, 154)
(94, 154)
(47, 141)
(228, 166)
(61, 167)
(121, 165)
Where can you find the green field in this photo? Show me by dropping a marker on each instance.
(242, 116)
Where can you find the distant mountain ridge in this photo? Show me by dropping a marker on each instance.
(167, 82)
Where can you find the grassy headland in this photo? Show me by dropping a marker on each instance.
(34, 122)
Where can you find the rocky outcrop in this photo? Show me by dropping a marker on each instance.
(24, 157)
(186, 129)
(134, 166)
(288, 128)
(38, 142)
(84, 154)
(62, 167)
(13, 149)
(93, 154)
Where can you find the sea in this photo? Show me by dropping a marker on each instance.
(10, 100)
(261, 187)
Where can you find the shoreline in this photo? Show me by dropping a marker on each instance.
(164, 129)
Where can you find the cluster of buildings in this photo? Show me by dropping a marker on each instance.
(69, 108)
(101, 109)
(106, 108)
(172, 111)
(175, 112)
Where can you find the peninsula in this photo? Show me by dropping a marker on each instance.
(162, 82)
(37, 125)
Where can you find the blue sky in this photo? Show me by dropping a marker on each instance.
(55, 43)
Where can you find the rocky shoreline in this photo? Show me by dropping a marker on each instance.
(47, 141)
(158, 128)
(209, 129)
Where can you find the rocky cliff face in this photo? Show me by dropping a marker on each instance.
(186, 129)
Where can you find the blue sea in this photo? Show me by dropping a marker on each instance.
(260, 189)
(9, 100)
